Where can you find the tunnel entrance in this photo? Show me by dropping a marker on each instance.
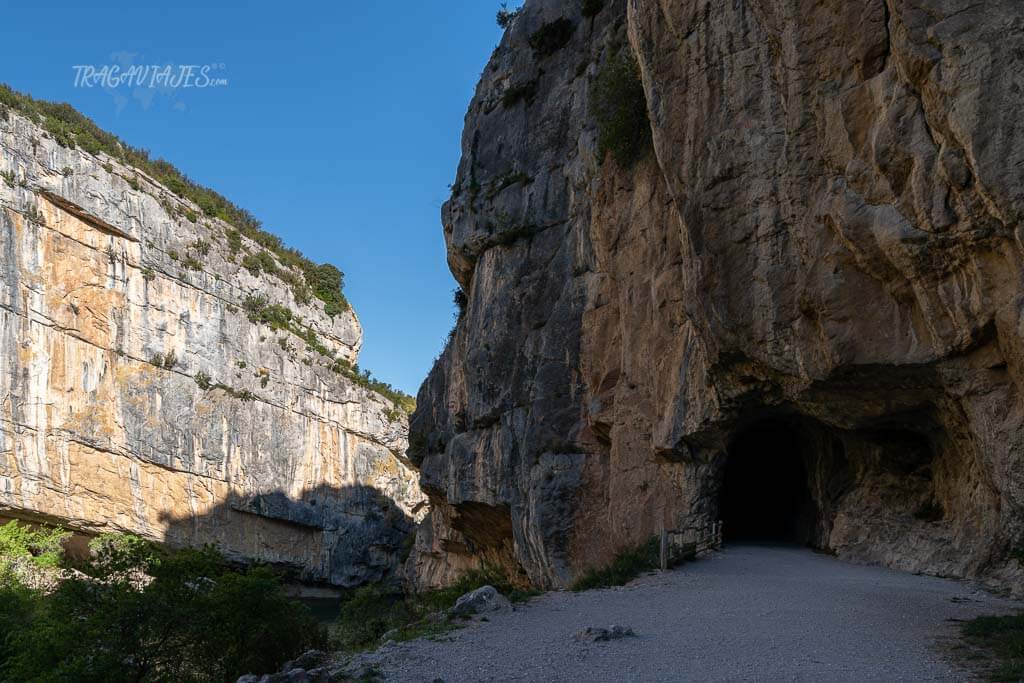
(765, 495)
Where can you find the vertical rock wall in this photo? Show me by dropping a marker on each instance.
(136, 393)
(825, 233)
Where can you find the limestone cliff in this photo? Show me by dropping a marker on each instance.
(150, 383)
(825, 234)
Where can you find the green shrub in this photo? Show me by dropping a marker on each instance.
(619, 107)
(1004, 637)
(254, 303)
(115, 555)
(234, 241)
(147, 274)
(506, 17)
(166, 361)
(369, 613)
(17, 605)
(551, 37)
(629, 564)
(326, 282)
(203, 381)
(259, 310)
(195, 620)
(365, 378)
(461, 301)
(44, 546)
(260, 262)
(35, 215)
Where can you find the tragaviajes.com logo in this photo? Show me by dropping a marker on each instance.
(158, 76)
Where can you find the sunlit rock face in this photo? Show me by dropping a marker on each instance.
(822, 242)
(137, 395)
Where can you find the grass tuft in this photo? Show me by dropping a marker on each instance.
(1004, 638)
(629, 564)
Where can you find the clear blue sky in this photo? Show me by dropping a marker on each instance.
(339, 128)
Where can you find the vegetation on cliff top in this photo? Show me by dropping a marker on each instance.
(278, 317)
(507, 17)
(72, 129)
(324, 281)
(136, 612)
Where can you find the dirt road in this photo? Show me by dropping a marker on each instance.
(747, 613)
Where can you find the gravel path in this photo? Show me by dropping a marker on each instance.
(745, 613)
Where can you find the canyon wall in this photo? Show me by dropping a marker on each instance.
(150, 383)
(823, 232)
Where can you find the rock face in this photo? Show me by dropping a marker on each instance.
(139, 392)
(825, 237)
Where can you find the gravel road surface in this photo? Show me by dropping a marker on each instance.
(746, 613)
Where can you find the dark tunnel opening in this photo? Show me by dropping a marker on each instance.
(765, 495)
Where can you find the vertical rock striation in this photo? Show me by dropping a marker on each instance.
(825, 235)
(149, 383)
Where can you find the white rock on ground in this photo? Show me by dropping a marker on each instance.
(482, 600)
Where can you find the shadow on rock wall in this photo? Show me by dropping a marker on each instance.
(343, 536)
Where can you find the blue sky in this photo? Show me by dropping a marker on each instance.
(339, 128)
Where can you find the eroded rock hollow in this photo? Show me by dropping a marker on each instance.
(816, 260)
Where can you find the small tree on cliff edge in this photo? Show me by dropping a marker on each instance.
(506, 17)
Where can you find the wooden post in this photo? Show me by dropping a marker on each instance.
(663, 554)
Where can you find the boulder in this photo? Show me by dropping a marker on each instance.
(483, 600)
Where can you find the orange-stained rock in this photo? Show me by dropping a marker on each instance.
(136, 394)
(824, 233)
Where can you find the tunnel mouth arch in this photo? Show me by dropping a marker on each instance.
(765, 495)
